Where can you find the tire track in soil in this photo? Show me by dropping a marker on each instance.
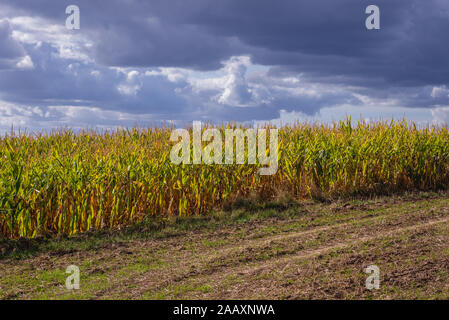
(228, 249)
(216, 276)
(184, 261)
(192, 267)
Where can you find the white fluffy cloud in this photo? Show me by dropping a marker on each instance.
(190, 61)
(131, 85)
(441, 115)
(438, 92)
(70, 44)
(236, 90)
(12, 53)
(25, 63)
(34, 119)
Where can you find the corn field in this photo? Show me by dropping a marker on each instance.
(67, 182)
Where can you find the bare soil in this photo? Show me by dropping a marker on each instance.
(317, 251)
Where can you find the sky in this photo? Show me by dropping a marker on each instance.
(140, 62)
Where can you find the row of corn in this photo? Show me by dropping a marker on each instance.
(67, 182)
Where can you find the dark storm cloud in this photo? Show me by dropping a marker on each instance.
(324, 41)
(10, 50)
(325, 37)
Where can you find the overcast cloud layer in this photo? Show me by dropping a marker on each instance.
(139, 62)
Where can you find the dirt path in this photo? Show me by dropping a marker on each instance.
(282, 263)
(319, 253)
